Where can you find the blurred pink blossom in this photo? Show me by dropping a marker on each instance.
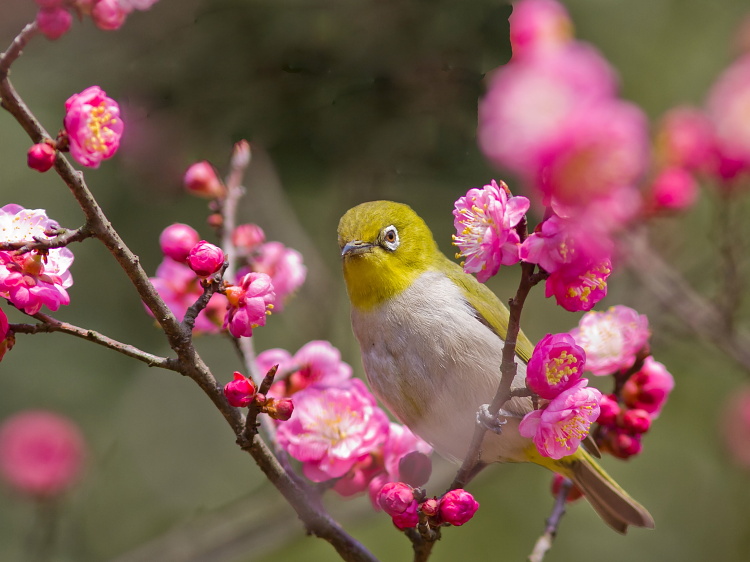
(556, 364)
(201, 179)
(108, 15)
(612, 338)
(41, 453)
(538, 25)
(249, 302)
(7, 338)
(485, 221)
(673, 189)
(32, 279)
(333, 428)
(685, 139)
(247, 237)
(284, 266)
(94, 127)
(54, 21)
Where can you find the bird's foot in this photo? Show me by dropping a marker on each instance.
(490, 422)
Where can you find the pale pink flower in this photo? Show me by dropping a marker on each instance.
(649, 388)
(205, 259)
(457, 507)
(41, 157)
(275, 356)
(201, 179)
(333, 428)
(93, 124)
(397, 500)
(284, 266)
(685, 139)
(530, 100)
(559, 428)
(612, 338)
(538, 25)
(485, 221)
(673, 189)
(247, 237)
(177, 240)
(556, 364)
(240, 391)
(41, 453)
(179, 287)
(249, 302)
(728, 103)
(108, 15)
(579, 290)
(54, 22)
(32, 280)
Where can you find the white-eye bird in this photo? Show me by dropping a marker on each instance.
(432, 337)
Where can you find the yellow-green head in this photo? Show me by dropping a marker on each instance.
(385, 246)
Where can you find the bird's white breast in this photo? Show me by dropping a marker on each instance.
(433, 363)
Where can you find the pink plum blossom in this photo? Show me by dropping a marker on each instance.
(205, 259)
(54, 21)
(108, 15)
(32, 279)
(179, 287)
(240, 391)
(579, 290)
(93, 124)
(649, 388)
(249, 302)
(458, 507)
(333, 428)
(177, 240)
(685, 139)
(41, 157)
(673, 189)
(284, 266)
(201, 179)
(538, 25)
(556, 364)
(485, 221)
(247, 237)
(559, 428)
(41, 453)
(612, 338)
(397, 500)
(366, 474)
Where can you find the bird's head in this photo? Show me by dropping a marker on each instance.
(385, 246)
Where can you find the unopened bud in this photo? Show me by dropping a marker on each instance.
(239, 392)
(415, 469)
(458, 507)
(430, 507)
(177, 240)
(280, 409)
(41, 157)
(635, 421)
(205, 259)
(202, 180)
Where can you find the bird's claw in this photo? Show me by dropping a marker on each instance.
(491, 422)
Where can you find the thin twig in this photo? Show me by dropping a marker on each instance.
(544, 543)
(60, 240)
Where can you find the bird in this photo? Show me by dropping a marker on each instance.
(431, 338)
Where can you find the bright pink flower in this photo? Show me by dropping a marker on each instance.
(94, 127)
(240, 391)
(333, 428)
(41, 453)
(609, 410)
(177, 240)
(673, 189)
(247, 237)
(284, 266)
(485, 221)
(579, 290)
(179, 287)
(612, 338)
(559, 428)
(529, 101)
(556, 364)
(727, 105)
(32, 280)
(249, 302)
(7, 338)
(108, 15)
(457, 507)
(205, 259)
(538, 25)
(41, 157)
(649, 388)
(736, 427)
(634, 421)
(54, 22)
(201, 179)
(397, 500)
(685, 139)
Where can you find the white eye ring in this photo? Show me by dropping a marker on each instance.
(390, 238)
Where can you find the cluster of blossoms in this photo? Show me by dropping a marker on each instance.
(41, 453)
(34, 278)
(569, 406)
(616, 343)
(54, 17)
(400, 501)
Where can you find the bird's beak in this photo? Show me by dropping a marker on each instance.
(356, 247)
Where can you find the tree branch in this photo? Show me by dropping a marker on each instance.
(544, 543)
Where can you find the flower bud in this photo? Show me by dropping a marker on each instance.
(609, 409)
(205, 259)
(574, 492)
(673, 189)
(635, 420)
(280, 409)
(458, 507)
(239, 392)
(415, 469)
(430, 507)
(177, 240)
(397, 500)
(54, 22)
(7, 338)
(108, 15)
(622, 445)
(201, 179)
(247, 236)
(41, 157)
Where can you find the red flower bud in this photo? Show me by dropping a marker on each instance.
(279, 408)
(239, 392)
(41, 157)
(205, 259)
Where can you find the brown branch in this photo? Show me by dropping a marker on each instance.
(60, 240)
(544, 543)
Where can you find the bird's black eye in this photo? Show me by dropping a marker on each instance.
(389, 238)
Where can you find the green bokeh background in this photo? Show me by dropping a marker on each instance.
(344, 101)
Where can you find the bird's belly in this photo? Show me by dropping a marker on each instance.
(433, 363)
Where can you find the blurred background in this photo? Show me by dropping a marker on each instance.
(343, 101)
